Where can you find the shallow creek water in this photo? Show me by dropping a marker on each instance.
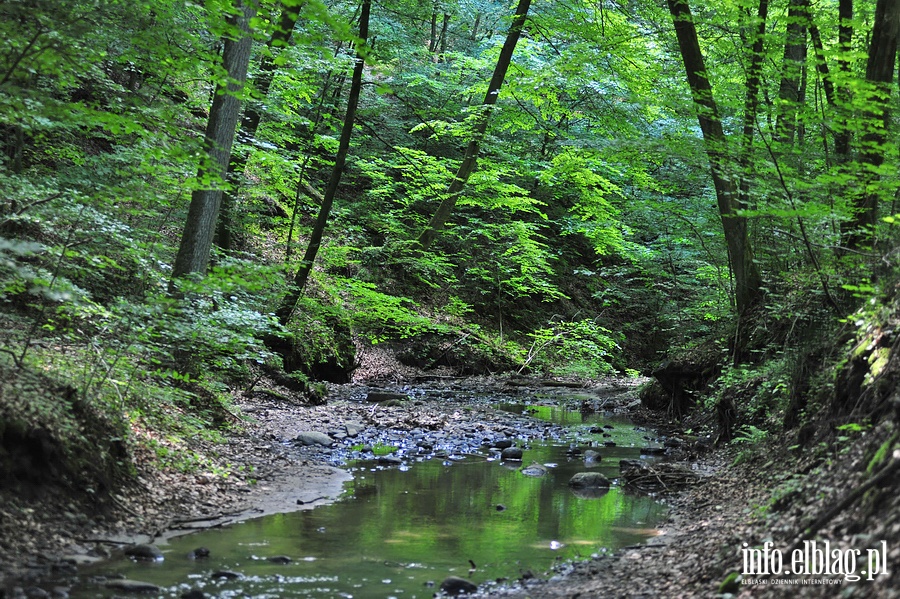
(400, 530)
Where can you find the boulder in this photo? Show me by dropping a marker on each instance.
(353, 428)
(535, 470)
(591, 456)
(380, 395)
(314, 438)
(454, 585)
(589, 480)
(132, 586)
(144, 552)
(511, 453)
(199, 553)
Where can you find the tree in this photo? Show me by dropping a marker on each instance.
(197, 238)
(791, 91)
(747, 279)
(445, 209)
(286, 309)
(880, 68)
(290, 12)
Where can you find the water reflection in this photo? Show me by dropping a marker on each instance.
(399, 532)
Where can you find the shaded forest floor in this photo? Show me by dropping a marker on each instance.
(773, 494)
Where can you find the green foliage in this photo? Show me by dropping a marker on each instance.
(579, 348)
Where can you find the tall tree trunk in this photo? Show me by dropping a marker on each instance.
(751, 102)
(252, 117)
(746, 274)
(790, 92)
(879, 73)
(196, 240)
(286, 309)
(432, 39)
(470, 158)
(845, 43)
(443, 39)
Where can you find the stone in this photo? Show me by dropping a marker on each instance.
(503, 443)
(226, 574)
(511, 453)
(132, 586)
(454, 585)
(144, 552)
(535, 469)
(79, 559)
(314, 438)
(584, 480)
(280, 559)
(199, 553)
(353, 428)
(591, 456)
(194, 594)
(389, 460)
(380, 395)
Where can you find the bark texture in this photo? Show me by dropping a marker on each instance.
(196, 240)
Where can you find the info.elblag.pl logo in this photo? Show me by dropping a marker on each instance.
(814, 558)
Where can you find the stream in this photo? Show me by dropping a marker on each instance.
(401, 528)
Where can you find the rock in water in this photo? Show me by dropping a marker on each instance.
(591, 456)
(380, 395)
(314, 438)
(455, 585)
(199, 553)
(280, 559)
(511, 453)
(132, 586)
(144, 552)
(534, 469)
(584, 480)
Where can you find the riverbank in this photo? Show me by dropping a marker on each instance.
(268, 464)
(262, 468)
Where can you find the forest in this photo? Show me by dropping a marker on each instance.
(199, 196)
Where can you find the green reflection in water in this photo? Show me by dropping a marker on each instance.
(399, 531)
